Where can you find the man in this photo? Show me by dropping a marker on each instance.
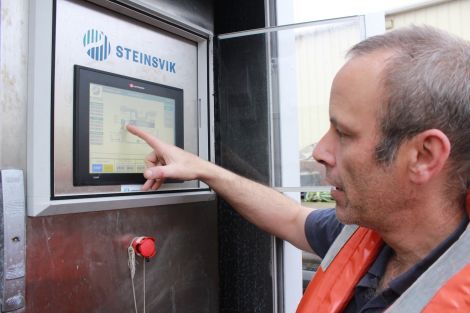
(397, 155)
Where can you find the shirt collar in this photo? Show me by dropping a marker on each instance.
(377, 269)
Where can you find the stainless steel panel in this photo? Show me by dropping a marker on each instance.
(73, 20)
(78, 262)
(39, 106)
(12, 240)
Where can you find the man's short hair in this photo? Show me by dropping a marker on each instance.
(426, 85)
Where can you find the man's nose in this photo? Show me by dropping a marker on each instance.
(324, 151)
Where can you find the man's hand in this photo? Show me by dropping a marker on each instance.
(166, 161)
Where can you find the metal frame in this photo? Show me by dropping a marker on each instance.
(40, 201)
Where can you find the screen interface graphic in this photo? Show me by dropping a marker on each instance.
(112, 148)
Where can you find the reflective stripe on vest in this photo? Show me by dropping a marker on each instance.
(443, 287)
(457, 290)
(333, 284)
(440, 279)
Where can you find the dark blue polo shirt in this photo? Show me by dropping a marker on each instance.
(321, 229)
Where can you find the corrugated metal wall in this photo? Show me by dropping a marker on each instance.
(321, 52)
(452, 16)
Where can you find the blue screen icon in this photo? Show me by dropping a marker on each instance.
(97, 168)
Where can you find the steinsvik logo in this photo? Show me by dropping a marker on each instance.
(98, 48)
(97, 45)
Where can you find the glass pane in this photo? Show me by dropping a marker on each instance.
(304, 63)
(274, 88)
(306, 60)
(243, 109)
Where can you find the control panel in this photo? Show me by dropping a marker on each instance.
(94, 68)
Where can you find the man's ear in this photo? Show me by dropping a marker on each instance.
(429, 152)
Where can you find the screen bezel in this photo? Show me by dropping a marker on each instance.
(83, 77)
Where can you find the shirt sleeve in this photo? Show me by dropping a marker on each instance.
(321, 229)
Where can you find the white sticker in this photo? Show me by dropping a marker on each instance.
(131, 188)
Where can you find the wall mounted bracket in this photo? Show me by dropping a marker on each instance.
(12, 240)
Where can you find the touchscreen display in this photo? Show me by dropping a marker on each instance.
(112, 148)
(105, 153)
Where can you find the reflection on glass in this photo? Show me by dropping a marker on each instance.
(312, 173)
(320, 52)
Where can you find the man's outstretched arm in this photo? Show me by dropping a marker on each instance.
(261, 205)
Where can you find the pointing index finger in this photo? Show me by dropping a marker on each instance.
(152, 141)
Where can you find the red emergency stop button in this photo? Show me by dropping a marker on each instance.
(144, 246)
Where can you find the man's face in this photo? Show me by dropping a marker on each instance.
(363, 189)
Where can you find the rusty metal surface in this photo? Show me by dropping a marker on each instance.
(77, 263)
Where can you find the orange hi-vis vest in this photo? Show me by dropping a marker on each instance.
(443, 288)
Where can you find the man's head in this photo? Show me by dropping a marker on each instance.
(426, 86)
(398, 93)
